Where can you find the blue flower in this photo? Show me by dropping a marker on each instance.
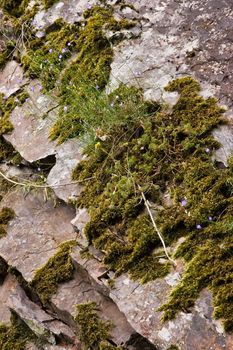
(183, 202)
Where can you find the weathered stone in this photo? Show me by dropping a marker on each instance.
(6, 290)
(70, 11)
(190, 331)
(180, 38)
(11, 78)
(68, 156)
(82, 289)
(31, 127)
(42, 325)
(81, 219)
(34, 235)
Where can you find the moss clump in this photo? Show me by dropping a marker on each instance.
(15, 8)
(93, 332)
(57, 270)
(7, 152)
(6, 53)
(6, 214)
(49, 3)
(16, 336)
(173, 347)
(158, 152)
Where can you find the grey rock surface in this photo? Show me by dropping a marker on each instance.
(36, 232)
(60, 179)
(11, 78)
(31, 126)
(42, 325)
(180, 38)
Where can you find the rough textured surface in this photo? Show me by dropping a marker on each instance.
(172, 39)
(42, 324)
(139, 303)
(60, 177)
(6, 290)
(31, 125)
(81, 290)
(11, 78)
(36, 232)
(180, 38)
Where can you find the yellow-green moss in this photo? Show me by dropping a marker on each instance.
(93, 332)
(7, 152)
(6, 214)
(173, 347)
(156, 152)
(58, 269)
(15, 8)
(15, 336)
(49, 3)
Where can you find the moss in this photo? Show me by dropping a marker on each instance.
(173, 347)
(6, 214)
(83, 78)
(15, 8)
(157, 151)
(7, 152)
(93, 332)
(57, 270)
(49, 3)
(15, 336)
(6, 53)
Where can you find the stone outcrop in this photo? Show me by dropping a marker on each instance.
(171, 39)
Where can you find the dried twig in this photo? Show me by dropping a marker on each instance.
(156, 227)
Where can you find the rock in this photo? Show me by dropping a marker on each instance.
(11, 78)
(68, 155)
(6, 290)
(178, 39)
(70, 11)
(36, 232)
(31, 127)
(190, 331)
(82, 289)
(42, 325)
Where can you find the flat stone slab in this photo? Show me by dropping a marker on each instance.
(11, 78)
(69, 10)
(8, 287)
(30, 136)
(140, 303)
(34, 235)
(82, 289)
(68, 155)
(42, 325)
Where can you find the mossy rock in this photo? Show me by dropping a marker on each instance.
(58, 269)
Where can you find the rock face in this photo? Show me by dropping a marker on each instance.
(31, 127)
(11, 78)
(171, 39)
(68, 156)
(36, 232)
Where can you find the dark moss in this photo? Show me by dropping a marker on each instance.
(173, 347)
(3, 269)
(49, 3)
(15, 8)
(16, 336)
(57, 270)
(6, 214)
(93, 332)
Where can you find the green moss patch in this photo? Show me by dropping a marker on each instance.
(15, 8)
(155, 151)
(93, 332)
(58, 269)
(6, 214)
(16, 336)
(7, 152)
